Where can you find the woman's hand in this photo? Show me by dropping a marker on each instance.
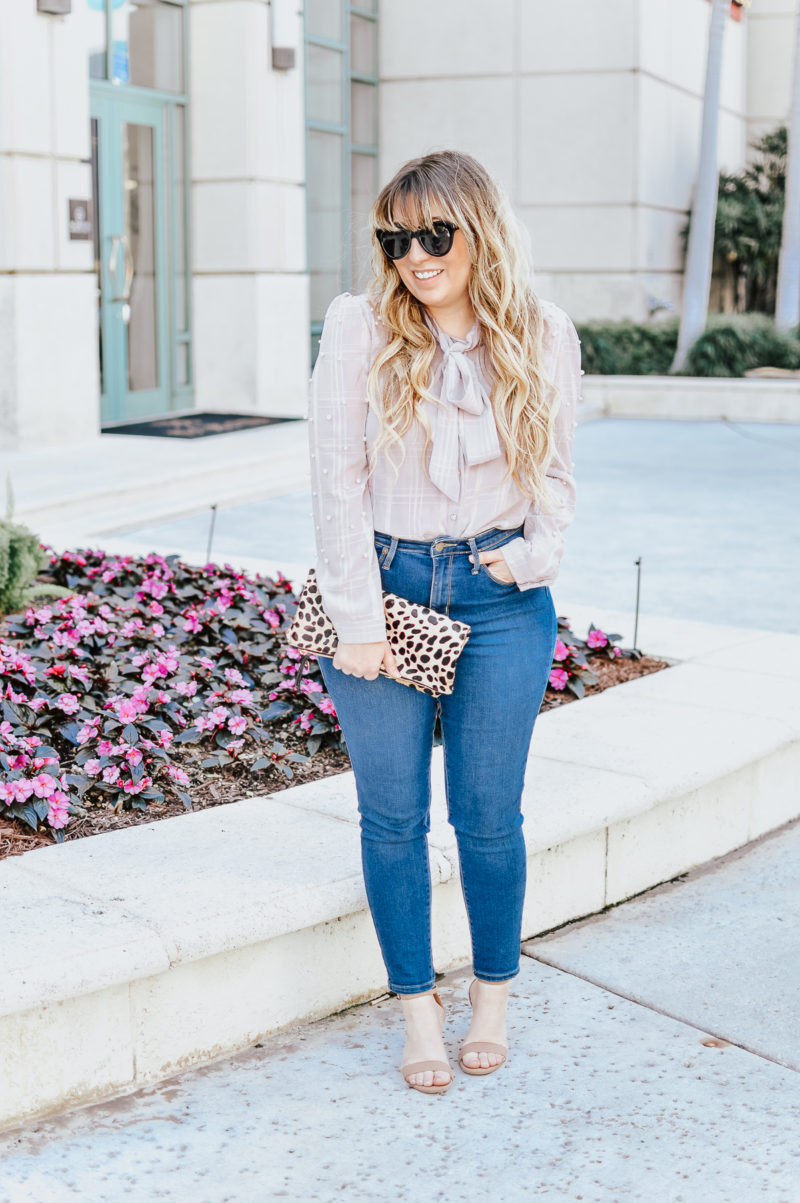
(365, 659)
(495, 562)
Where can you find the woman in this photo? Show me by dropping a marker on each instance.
(441, 425)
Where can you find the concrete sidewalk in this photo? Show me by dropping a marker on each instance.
(654, 1058)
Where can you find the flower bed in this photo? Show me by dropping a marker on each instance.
(157, 686)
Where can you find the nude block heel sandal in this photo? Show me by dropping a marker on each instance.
(419, 1067)
(481, 1046)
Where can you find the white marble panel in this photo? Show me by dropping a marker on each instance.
(577, 142)
(450, 38)
(769, 68)
(581, 237)
(70, 83)
(578, 37)
(27, 231)
(25, 79)
(472, 115)
(249, 226)
(56, 396)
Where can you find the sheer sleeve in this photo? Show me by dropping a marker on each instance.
(347, 564)
(535, 558)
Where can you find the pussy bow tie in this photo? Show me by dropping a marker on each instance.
(463, 427)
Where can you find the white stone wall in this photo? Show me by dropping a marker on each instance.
(251, 315)
(770, 37)
(588, 114)
(49, 375)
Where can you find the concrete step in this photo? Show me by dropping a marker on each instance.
(132, 955)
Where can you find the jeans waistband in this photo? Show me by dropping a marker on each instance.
(448, 545)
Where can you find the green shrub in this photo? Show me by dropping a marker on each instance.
(732, 344)
(628, 348)
(21, 557)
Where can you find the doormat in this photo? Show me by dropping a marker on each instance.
(193, 426)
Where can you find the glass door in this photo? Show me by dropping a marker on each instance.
(131, 255)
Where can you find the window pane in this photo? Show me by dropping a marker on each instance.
(325, 219)
(363, 114)
(363, 190)
(148, 45)
(324, 84)
(362, 45)
(138, 165)
(324, 18)
(179, 233)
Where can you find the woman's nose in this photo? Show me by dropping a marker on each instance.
(416, 254)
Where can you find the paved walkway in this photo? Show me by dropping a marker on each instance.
(655, 1058)
(713, 509)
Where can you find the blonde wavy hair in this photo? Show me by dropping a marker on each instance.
(455, 187)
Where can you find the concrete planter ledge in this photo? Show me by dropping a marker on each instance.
(699, 398)
(131, 955)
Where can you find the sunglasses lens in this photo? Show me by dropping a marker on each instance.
(437, 241)
(396, 243)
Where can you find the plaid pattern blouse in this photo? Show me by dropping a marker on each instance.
(465, 493)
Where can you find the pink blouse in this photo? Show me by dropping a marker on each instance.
(465, 495)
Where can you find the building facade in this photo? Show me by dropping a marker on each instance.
(184, 183)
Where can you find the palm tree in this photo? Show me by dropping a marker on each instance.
(700, 251)
(787, 301)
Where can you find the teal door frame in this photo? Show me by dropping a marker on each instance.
(114, 108)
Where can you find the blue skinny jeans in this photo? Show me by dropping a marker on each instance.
(487, 724)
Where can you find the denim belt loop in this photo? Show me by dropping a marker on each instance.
(387, 559)
(476, 564)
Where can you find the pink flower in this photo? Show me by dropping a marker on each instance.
(596, 638)
(326, 706)
(309, 686)
(58, 815)
(105, 747)
(219, 715)
(136, 787)
(187, 688)
(561, 652)
(68, 703)
(92, 767)
(80, 674)
(237, 724)
(44, 785)
(241, 697)
(192, 623)
(233, 676)
(22, 789)
(177, 774)
(234, 746)
(37, 703)
(164, 738)
(272, 618)
(558, 678)
(126, 710)
(204, 722)
(111, 774)
(617, 651)
(133, 756)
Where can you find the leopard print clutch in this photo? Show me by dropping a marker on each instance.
(426, 644)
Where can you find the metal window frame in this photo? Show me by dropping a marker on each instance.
(348, 148)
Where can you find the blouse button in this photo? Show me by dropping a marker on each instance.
(324, 471)
(358, 480)
(329, 417)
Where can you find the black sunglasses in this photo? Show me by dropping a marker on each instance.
(397, 243)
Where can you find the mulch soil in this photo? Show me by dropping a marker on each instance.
(218, 787)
